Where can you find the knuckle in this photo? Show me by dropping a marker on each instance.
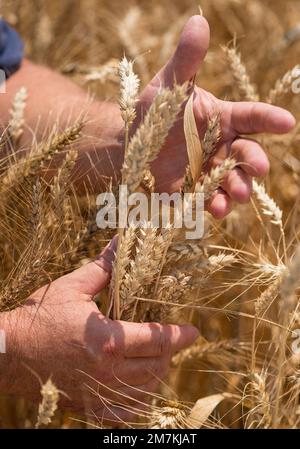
(111, 349)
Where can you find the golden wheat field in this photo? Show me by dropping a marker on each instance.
(238, 284)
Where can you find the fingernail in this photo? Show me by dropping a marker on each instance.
(108, 254)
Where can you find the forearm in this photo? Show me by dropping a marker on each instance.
(6, 354)
(22, 353)
(52, 98)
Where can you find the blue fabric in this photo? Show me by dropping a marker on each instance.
(11, 49)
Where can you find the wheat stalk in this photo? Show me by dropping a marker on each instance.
(214, 179)
(246, 89)
(184, 252)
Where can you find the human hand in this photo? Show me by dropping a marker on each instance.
(60, 332)
(235, 118)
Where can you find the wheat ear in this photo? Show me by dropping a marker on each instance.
(240, 75)
(48, 406)
(214, 179)
(283, 85)
(149, 138)
(212, 137)
(16, 122)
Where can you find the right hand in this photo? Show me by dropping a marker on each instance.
(60, 332)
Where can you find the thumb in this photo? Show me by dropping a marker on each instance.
(189, 54)
(94, 276)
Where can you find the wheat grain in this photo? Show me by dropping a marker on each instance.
(290, 282)
(16, 122)
(143, 269)
(214, 179)
(269, 207)
(283, 85)
(148, 140)
(39, 157)
(102, 74)
(212, 137)
(171, 415)
(129, 84)
(260, 415)
(265, 300)
(48, 406)
(188, 183)
(124, 255)
(148, 182)
(246, 89)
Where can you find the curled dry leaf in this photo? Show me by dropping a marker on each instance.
(203, 408)
(193, 143)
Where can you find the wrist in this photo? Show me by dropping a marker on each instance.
(101, 152)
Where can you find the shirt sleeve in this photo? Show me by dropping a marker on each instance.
(11, 49)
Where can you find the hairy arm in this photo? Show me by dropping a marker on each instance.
(7, 357)
(53, 98)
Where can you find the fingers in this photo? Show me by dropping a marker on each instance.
(238, 185)
(94, 276)
(155, 340)
(251, 118)
(190, 52)
(251, 157)
(137, 371)
(219, 205)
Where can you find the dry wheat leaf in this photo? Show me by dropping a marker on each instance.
(202, 409)
(193, 143)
